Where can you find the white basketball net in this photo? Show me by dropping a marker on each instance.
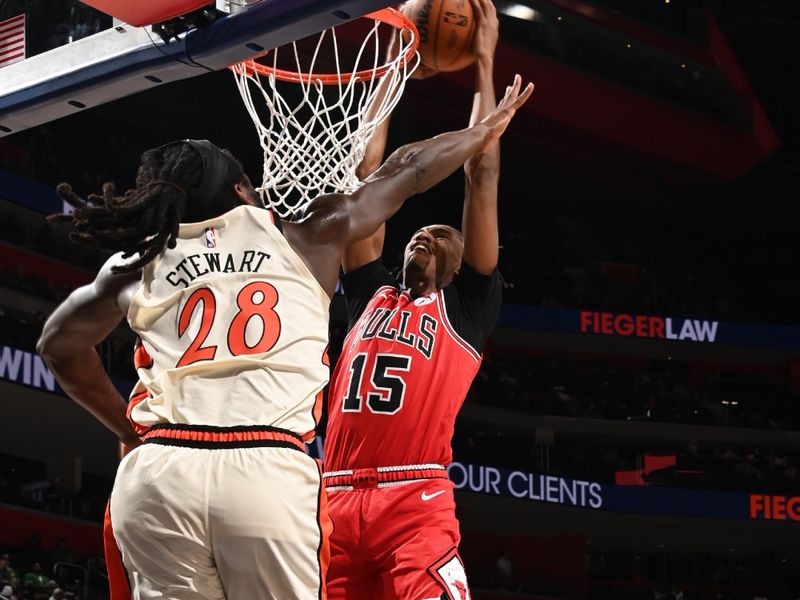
(313, 146)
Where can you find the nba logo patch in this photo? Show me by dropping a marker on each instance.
(211, 238)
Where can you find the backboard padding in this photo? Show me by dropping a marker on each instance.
(139, 14)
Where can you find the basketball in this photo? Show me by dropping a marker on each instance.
(446, 29)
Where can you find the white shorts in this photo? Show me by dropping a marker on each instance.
(221, 513)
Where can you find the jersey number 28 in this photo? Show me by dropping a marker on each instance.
(257, 299)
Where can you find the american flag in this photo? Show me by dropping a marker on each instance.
(12, 40)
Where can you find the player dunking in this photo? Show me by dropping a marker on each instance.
(231, 307)
(406, 365)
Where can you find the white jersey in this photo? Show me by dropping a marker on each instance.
(234, 329)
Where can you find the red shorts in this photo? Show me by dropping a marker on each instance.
(397, 542)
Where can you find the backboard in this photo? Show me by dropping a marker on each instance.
(125, 60)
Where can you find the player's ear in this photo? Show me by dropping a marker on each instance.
(240, 189)
(247, 194)
(456, 271)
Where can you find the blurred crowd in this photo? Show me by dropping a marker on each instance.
(576, 254)
(24, 482)
(21, 330)
(626, 575)
(572, 252)
(593, 389)
(32, 572)
(661, 391)
(536, 386)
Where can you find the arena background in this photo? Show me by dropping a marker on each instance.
(633, 432)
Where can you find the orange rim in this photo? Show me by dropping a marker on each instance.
(389, 16)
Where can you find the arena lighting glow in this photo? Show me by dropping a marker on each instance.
(519, 11)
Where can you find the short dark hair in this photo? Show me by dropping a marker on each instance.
(145, 219)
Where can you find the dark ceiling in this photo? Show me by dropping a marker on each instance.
(629, 93)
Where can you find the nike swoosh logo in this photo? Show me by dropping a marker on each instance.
(426, 496)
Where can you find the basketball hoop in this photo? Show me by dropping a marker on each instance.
(314, 126)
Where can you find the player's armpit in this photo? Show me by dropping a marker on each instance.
(364, 251)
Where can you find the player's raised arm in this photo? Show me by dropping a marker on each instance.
(369, 249)
(364, 251)
(479, 221)
(417, 167)
(68, 341)
(336, 220)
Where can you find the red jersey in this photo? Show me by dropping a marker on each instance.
(405, 368)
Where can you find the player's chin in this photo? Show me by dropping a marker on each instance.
(418, 259)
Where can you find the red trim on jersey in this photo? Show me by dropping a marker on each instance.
(316, 414)
(325, 531)
(119, 586)
(134, 401)
(440, 304)
(385, 288)
(141, 358)
(316, 411)
(222, 435)
(318, 401)
(271, 217)
(370, 478)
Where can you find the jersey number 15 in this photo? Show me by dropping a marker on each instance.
(390, 387)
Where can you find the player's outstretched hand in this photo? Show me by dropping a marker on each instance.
(486, 30)
(501, 116)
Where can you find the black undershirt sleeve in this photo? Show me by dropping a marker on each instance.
(278, 223)
(473, 303)
(360, 285)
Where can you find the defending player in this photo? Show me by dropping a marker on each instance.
(407, 363)
(231, 307)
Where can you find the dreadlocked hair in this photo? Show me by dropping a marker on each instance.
(145, 219)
